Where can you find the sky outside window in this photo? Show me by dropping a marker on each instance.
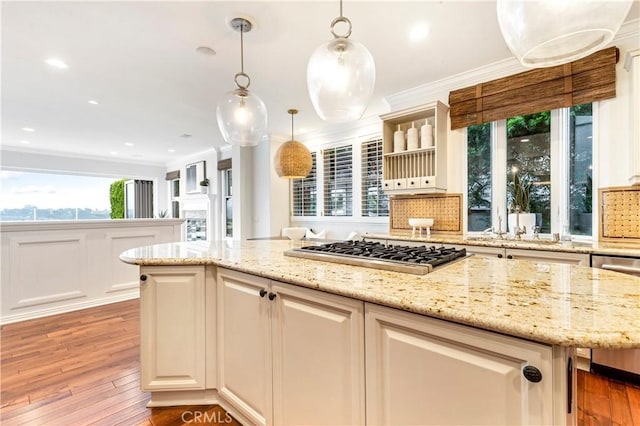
(53, 192)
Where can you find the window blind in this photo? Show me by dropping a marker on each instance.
(338, 181)
(586, 80)
(303, 193)
(374, 201)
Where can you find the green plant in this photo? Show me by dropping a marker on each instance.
(162, 214)
(204, 182)
(116, 196)
(520, 193)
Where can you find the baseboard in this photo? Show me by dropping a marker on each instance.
(195, 397)
(8, 319)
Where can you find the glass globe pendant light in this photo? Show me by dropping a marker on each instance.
(340, 76)
(242, 116)
(546, 33)
(293, 159)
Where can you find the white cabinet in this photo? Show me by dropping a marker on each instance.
(548, 256)
(533, 255)
(289, 355)
(173, 334)
(425, 371)
(421, 170)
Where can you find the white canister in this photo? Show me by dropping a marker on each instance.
(398, 140)
(412, 138)
(426, 134)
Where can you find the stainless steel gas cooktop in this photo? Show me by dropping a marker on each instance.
(417, 260)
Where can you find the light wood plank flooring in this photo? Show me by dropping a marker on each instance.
(83, 368)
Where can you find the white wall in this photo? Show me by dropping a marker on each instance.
(67, 164)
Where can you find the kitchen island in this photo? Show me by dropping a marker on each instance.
(274, 339)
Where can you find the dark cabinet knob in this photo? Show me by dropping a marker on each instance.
(426, 181)
(263, 292)
(399, 184)
(412, 183)
(143, 277)
(500, 256)
(272, 296)
(532, 374)
(509, 256)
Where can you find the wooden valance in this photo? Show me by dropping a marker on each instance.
(175, 174)
(224, 164)
(589, 79)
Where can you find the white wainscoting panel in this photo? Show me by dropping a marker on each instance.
(51, 267)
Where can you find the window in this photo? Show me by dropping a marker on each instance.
(479, 177)
(304, 192)
(580, 169)
(30, 196)
(374, 201)
(338, 181)
(524, 145)
(228, 203)
(529, 156)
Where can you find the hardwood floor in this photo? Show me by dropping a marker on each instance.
(83, 368)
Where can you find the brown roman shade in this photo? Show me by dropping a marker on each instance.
(589, 79)
(174, 174)
(224, 164)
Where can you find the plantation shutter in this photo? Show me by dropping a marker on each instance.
(374, 201)
(303, 193)
(338, 181)
(586, 80)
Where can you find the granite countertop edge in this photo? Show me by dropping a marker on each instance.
(519, 306)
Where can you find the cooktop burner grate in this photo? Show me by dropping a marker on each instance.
(412, 259)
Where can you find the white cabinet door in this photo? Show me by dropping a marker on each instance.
(244, 344)
(172, 343)
(318, 354)
(425, 371)
(549, 256)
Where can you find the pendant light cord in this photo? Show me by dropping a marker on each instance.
(291, 126)
(242, 49)
(341, 8)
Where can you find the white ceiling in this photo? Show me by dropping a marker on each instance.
(138, 60)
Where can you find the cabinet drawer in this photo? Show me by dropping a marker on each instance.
(413, 182)
(387, 184)
(399, 184)
(427, 182)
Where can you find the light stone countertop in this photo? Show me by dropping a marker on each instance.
(622, 248)
(551, 303)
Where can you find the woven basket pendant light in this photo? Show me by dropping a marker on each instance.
(293, 159)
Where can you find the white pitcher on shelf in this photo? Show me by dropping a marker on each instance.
(426, 134)
(398, 140)
(412, 137)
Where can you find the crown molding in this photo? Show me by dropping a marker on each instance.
(630, 29)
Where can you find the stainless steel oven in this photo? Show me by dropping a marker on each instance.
(624, 364)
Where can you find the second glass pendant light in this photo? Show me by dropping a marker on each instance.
(341, 75)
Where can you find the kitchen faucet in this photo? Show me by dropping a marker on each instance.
(519, 230)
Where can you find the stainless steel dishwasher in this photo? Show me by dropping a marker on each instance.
(624, 364)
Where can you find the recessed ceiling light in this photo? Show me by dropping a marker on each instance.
(57, 63)
(25, 142)
(185, 135)
(128, 144)
(114, 152)
(171, 150)
(418, 32)
(204, 50)
(28, 129)
(92, 102)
